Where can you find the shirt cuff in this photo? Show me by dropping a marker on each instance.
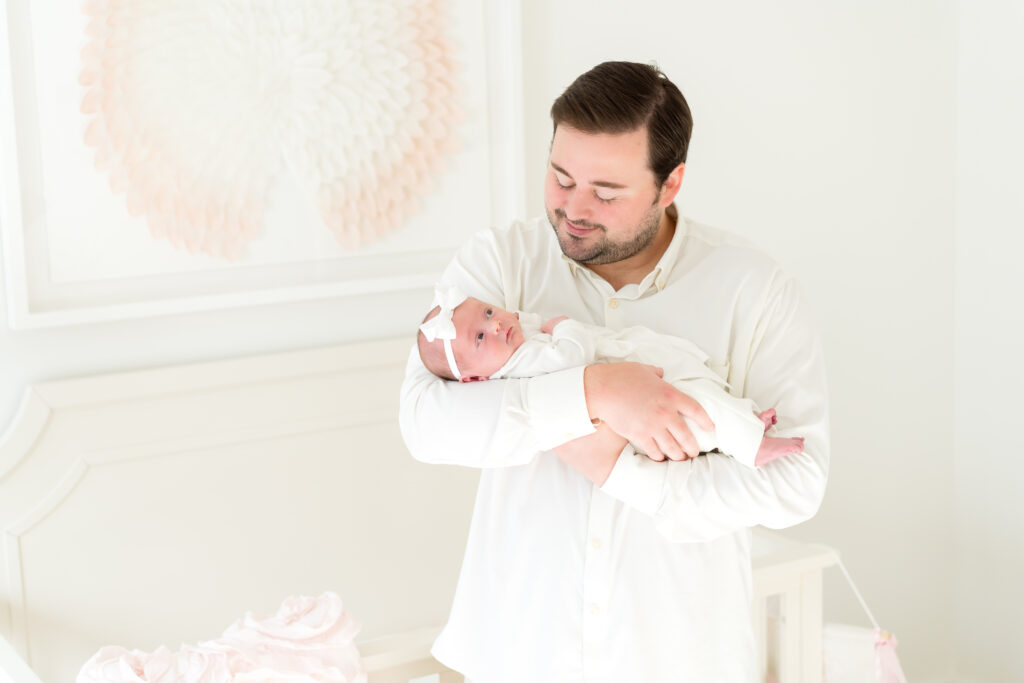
(637, 481)
(557, 406)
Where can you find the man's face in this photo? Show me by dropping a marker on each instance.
(600, 195)
(485, 338)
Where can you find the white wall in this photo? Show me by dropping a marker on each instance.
(823, 132)
(989, 630)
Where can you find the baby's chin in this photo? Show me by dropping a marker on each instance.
(517, 341)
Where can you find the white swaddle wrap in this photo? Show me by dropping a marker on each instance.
(738, 430)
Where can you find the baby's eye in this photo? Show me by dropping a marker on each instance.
(490, 312)
(479, 337)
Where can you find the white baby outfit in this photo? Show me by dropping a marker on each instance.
(738, 431)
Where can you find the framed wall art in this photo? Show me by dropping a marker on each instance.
(172, 157)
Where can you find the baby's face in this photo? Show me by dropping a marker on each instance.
(485, 338)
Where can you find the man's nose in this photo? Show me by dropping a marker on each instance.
(577, 208)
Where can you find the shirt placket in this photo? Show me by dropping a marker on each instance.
(596, 582)
(613, 312)
(597, 565)
(616, 303)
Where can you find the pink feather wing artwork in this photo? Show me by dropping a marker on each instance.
(195, 108)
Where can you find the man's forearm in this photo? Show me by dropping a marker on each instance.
(594, 455)
(499, 423)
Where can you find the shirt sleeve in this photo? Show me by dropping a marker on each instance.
(709, 496)
(495, 423)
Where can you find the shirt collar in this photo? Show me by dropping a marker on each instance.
(658, 277)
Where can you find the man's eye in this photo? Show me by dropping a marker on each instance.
(566, 186)
(606, 200)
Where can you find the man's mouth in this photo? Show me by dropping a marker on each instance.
(576, 229)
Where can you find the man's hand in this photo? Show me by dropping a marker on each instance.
(635, 402)
(549, 326)
(594, 456)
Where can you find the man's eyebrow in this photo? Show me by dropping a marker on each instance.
(598, 183)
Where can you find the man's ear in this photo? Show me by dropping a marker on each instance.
(474, 378)
(670, 188)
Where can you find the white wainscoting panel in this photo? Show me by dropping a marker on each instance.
(155, 507)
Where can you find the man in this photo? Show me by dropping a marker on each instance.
(585, 561)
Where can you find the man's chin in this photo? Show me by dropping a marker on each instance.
(574, 248)
(579, 248)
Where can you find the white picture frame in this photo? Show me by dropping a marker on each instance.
(36, 300)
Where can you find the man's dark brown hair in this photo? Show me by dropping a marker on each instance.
(619, 97)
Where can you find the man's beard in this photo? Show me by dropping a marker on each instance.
(597, 252)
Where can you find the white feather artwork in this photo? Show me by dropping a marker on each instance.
(195, 107)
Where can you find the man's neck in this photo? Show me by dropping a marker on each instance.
(635, 268)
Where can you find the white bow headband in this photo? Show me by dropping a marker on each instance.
(441, 325)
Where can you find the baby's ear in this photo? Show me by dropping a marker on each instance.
(473, 378)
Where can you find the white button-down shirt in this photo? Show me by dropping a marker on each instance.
(646, 578)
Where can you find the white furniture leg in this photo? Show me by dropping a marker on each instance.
(812, 625)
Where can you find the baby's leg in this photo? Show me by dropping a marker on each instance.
(774, 447)
(739, 427)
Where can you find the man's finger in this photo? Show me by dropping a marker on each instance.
(684, 437)
(695, 412)
(669, 446)
(652, 450)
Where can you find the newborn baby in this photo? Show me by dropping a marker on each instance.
(465, 339)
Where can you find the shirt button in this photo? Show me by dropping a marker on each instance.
(595, 543)
(613, 303)
(594, 609)
(661, 284)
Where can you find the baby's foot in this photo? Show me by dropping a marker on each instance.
(773, 447)
(768, 417)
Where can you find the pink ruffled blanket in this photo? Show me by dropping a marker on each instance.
(308, 640)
